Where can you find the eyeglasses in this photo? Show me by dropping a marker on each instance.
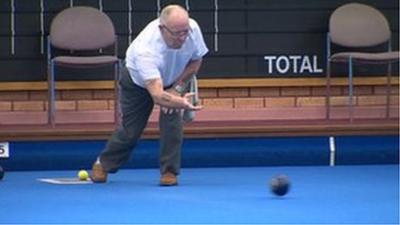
(182, 33)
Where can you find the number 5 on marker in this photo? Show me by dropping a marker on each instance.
(4, 150)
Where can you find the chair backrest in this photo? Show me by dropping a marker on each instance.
(358, 25)
(82, 28)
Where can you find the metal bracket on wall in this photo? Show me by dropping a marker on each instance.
(12, 27)
(216, 27)
(187, 5)
(130, 22)
(41, 27)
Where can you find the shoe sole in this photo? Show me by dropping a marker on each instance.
(97, 181)
(96, 170)
(168, 184)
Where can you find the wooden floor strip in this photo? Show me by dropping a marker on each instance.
(209, 129)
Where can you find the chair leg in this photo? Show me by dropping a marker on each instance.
(328, 78)
(117, 70)
(388, 90)
(196, 90)
(51, 95)
(351, 89)
(328, 91)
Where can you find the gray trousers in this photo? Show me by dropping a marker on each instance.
(136, 106)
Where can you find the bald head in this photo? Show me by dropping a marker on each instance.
(174, 15)
(174, 25)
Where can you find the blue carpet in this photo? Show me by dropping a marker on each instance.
(319, 194)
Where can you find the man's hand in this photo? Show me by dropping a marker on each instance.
(192, 106)
(188, 100)
(168, 110)
(169, 100)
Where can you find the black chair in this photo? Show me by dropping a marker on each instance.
(80, 29)
(354, 26)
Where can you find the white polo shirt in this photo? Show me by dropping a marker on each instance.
(148, 56)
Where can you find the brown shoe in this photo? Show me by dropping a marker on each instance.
(99, 175)
(168, 179)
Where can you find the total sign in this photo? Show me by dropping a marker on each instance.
(292, 64)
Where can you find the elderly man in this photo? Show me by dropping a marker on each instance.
(161, 61)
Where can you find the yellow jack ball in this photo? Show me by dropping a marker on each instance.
(83, 175)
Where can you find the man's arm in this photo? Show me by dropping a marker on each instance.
(191, 69)
(163, 98)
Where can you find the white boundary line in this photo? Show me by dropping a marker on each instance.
(332, 150)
